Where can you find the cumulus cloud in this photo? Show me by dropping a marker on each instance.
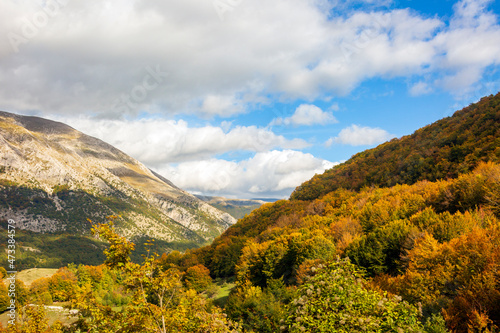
(306, 115)
(189, 156)
(420, 88)
(355, 135)
(79, 56)
(156, 141)
(469, 46)
(267, 174)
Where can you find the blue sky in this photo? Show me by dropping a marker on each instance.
(246, 98)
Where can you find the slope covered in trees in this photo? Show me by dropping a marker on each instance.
(436, 244)
(445, 149)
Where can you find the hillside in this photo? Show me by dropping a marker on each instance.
(53, 178)
(237, 208)
(476, 128)
(445, 149)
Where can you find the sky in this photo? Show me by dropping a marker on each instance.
(240, 98)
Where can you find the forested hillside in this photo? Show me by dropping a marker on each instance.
(436, 244)
(445, 149)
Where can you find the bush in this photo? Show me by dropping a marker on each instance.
(335, 300)
(197, 278)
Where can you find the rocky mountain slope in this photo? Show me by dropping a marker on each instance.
(53, 178)
(238, 208)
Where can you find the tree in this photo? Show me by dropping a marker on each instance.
(259, 309)
(197, 278)
(33, 319)
(335, 300)
(4, 297)
(380, 250)
(61, 284)
(40, 291)
(159, 303)
(461, 276)
(119, 250)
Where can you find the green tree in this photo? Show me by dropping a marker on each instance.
(4, 297)
(335, 300)
(380, 251)
(259, 309)
(118, 253)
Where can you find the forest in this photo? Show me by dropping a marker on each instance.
(442, 150)
(402, 238)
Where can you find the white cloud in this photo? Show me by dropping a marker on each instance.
(469, 13)
(157, 141)
(267, 174)
(95, 58)
(188, 156)
(355, 135)
(420, 88)
(334, 107)
(306, 115)
(469, 46)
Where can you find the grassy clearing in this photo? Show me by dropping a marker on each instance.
(52, 315)
(30, 275)
(223, 293)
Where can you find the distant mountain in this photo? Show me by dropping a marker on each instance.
(238, 208)
(447, 148)
(53, 177)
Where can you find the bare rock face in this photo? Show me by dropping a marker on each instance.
(54, 178)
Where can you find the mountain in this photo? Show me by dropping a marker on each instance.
(237, 208)
(53, 178)
(445, 149)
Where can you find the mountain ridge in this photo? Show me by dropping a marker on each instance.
(442, 150)
(50, 172)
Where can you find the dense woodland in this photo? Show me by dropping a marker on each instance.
(402, 238)
(442, 150)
